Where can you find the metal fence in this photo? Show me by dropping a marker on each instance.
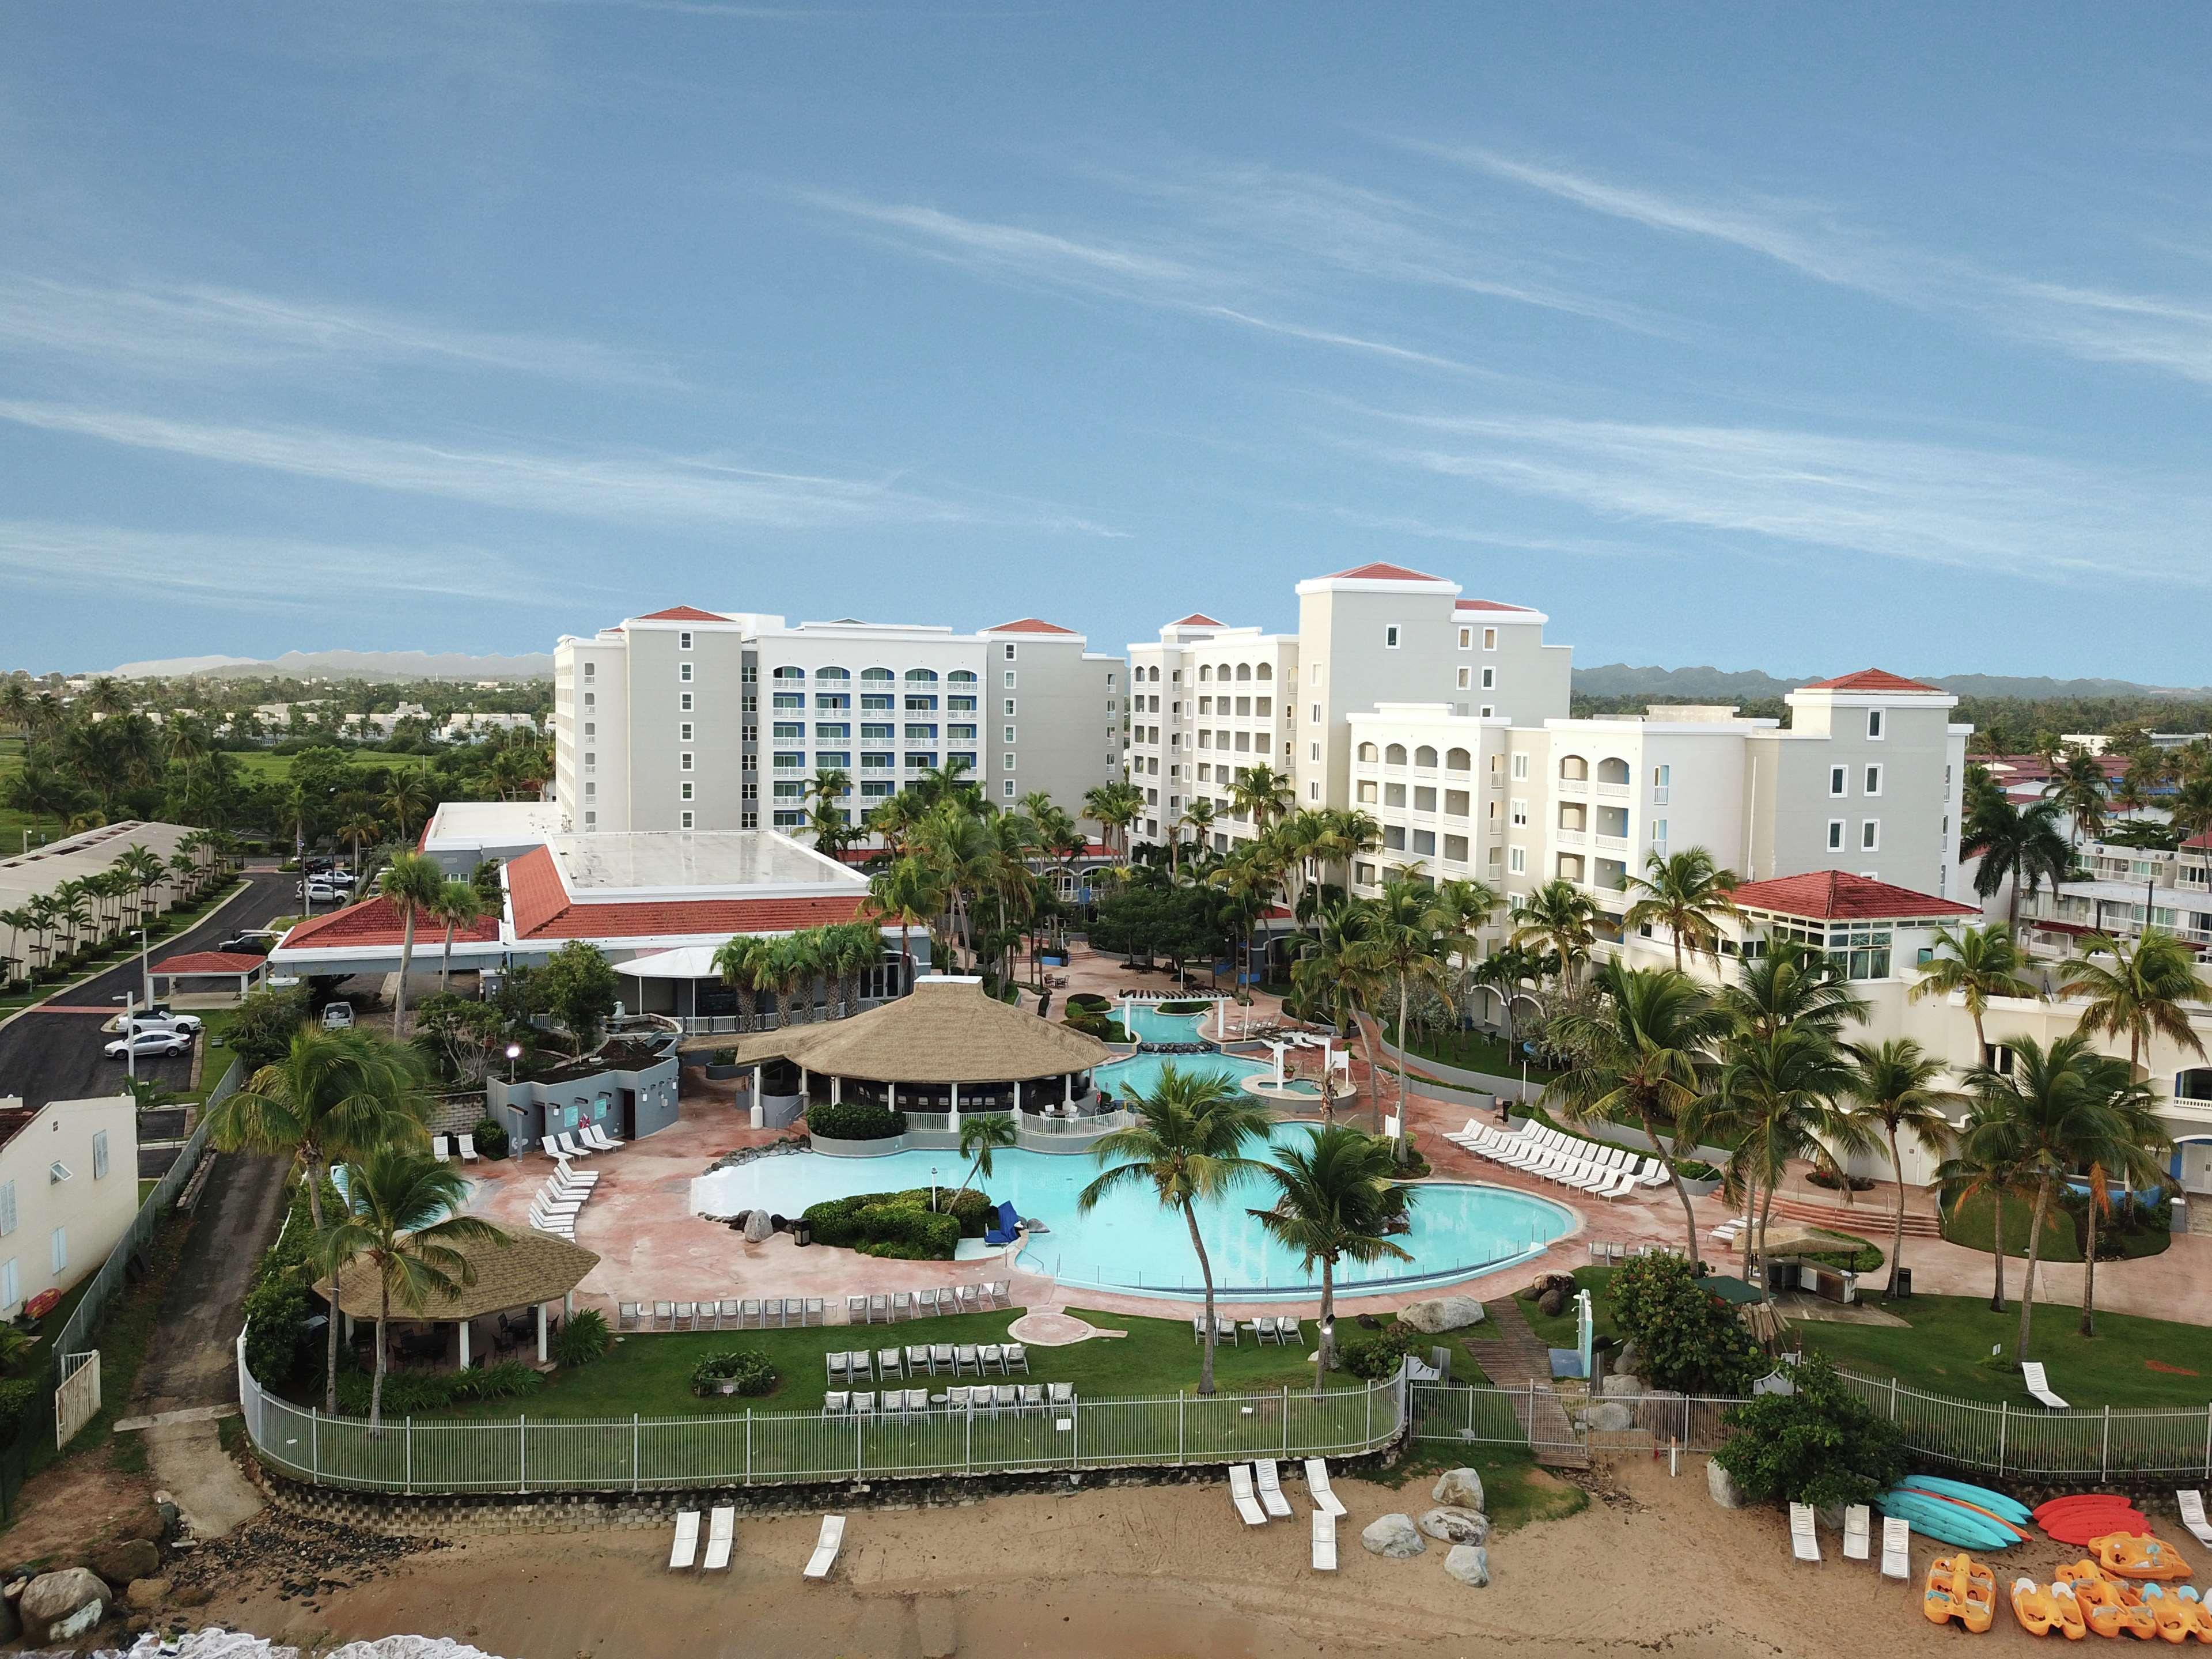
(755, 1447)
(2102, 1445)
(1542, 1420)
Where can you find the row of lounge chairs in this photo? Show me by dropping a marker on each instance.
(562, 1199)
(1256, 1490)
(748, 1314)
(889, 1308)
(1285, 1329)
(722, 1537)
(1588, 1166)
(586, 1140)
(448, 1147)
(963, 1359)
(985, 1401)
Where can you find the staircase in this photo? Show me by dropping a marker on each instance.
(1868, 1219)
(1517, 1359)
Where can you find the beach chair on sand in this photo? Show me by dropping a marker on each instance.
(1270, 1488)
(1317, 1487)
(721, 1534)
(685, 1551)
(1804, 1544)
(1240, 1493)
(826, 1546)
(2039, 1384)
(1896, 1548)
(1324, 1541)
(1857, 1523)
(2192, 1516)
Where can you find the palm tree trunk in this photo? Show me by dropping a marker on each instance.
(1997, 1221)
(406, 959)
(1674, 1176)
(1206, 1274)
(1897, 1233)
(1765, 1214)
(446, 960)
(1750, 1203)
(2035, 1247)
(311, 1155)
(1404, 993)
(1328, 1321)
(376, 1384)
(2089, 1254)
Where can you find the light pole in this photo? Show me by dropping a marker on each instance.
(932, 1189)
(129, 1039)
(145, 972)
(1321, 1353)
(513, 1053)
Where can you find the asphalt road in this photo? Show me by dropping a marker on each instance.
(57, 1056)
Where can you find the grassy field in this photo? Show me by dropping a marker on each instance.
(1515, 1492)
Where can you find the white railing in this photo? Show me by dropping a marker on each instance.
(1614, 791)
(750, 1448)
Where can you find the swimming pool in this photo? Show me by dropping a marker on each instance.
(1148, 1025)
(1140, 1073)
(1129, 1244)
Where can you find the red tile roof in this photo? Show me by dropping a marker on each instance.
(682, 613)
(210, 962)
(1198, 619)
(544, 910)
(1028, 625)
(1874, 679)
(2202, 839)
(374, 921)
(1838, 895)
(1486, 604)
(1381, 572)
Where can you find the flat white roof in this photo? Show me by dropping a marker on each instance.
(461, 825)
(658, 863)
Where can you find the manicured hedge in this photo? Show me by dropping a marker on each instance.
(900, 1225)
(407, 1393)
(855, 1122)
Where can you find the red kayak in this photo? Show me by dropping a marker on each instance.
(2104, 1499)
(2080, 1526)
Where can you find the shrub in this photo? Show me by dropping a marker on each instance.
(276, 1339)
(749, 1368)
(1687, 1338)
(855, 1122)
(19, 1396)
(490, 1136)
(262, 1034)
(582, 1338)
(1820, 1445)
(412, 1393)
(1691, 1169)
(1371, 1359)
(1090, 1000)
(1186, 1007)
(899, 1226)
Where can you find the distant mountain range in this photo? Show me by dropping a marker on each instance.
(1618, 680)
(346, 665)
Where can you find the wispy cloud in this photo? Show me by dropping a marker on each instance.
(172, 329)
(644, 487)
(2173, 335)
(2005, 513)
(260, 573)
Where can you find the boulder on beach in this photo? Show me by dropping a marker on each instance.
(1441, 1313)
(1470, 1564)
(1458, 1489)
(1393, 1535)
(125, 1559)
(57, 1607)
(145, 1595)
(1455, 1526)
(1609, 1417)
(1722, 1486)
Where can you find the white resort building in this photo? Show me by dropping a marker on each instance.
(686, 719)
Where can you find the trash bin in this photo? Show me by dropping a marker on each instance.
(802, 1232)
(1904, 1281)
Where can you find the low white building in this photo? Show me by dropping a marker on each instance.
(69, 1187)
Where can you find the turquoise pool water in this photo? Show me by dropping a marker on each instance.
(1128, 1243)
(1148, 1025)
(1140, 1072)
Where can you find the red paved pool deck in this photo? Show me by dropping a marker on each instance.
(652, 1248)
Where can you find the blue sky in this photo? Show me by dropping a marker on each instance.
(1791, 337)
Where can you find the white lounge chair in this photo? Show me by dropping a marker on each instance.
(1896, 1548)
(721, 1534)
(1270, 1488)
(1857, 1523)
(1324, 1541)
(598, 1139)
(2192, 1515)
(686, 1550)
(1803, 1543)
(442, 1147)
(468, 1145)
(1318, 1489)
(2039, 1384)
(826, 1546)
(1240, 1493)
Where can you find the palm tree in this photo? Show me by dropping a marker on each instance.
(1198, 816)
(406, 800)
(959, 852)
(1334, 1196)
(457, 905)
(1778, 1091)
(2134, 1157)
(1977, 963)
(1687, 893)
(1463, 910)
(853, 948)
(1562, 919)
(403, 1211)
(1116, 806)
(1791, 985)
(358, 824)
(1505, 971)
(2019, 844)
(906, 891)
(1897, 1091)
(1261, 795)
(2078, 786)
(1400, 944)
(980, 1135)
(747, 964)
(1646, 1048)
(1187, 1144)
(2141, 994)
(412, 885)
(1985, 1162)
(1336, 978)
(335, 1095)
(797, 964)
(145, 870)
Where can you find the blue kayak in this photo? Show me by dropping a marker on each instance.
(1944, 1521)
(2004, 1507)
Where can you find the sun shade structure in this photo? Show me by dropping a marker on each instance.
(947, 1045)
(530, 1269)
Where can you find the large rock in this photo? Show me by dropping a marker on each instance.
(1470, 1564)
(125, 1559)
(1458, 1489)
(1451, 1526)
(1617, 1387)
(759, 1227)
(1442, 1313)
(1553, 1302)
(1627, 1358)
(1393, 1535)
(1722, 1486)
(1609, 1417)
(60, 1607)
(10, 1626)
(145, 1595)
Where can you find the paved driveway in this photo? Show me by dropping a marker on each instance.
(54, 1054)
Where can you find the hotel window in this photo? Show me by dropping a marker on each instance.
(1662, 778)
(750, 674)
(790, 820)
(1009, 737)
(1007, 765)
(960, 734)
(591, 759)
(590, 820)
(1455, 848)
(1455, 802)
(876, 734)
(591, 792)
(1006, 787)
(1658, 834)
(1315, 677)
(1835, 834)
(684, 641)
(683, 672)
(683, 702)
(1490, 639)
(684, 733)
(1009, 708)
(790, 762)
(875, 788)
(921, 733)
(1390, 637)
(686, 787)
(58, 1250)
(1520, 811)
(592, 700)
(99, 1155)
(591, 671)
(1488, 710)
(1466, 641)
(749, 792)
(1874, 725)
(1517, 860)
(837, 759)
(1424, 798)
(1520, 767)
(1490, 679)
(789, 731)
(1010, 679)
(683, 761)
(1869, 834)
(875, 763)
(1874, 780)
(833, 731)
(1010, 650)
(1424, 842)
(1466, 676)
(1839, 781)
(684, 820)
(1316, 715)
(1313, 751)
(960, 705)
(915, 705)
(1393, 838)
(1394, 794)
(876, 704)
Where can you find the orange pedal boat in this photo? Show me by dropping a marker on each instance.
(2110, 1605)
(2132, 1555)
(1958, 1587)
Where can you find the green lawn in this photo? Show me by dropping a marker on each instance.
(1971, 1223)
(1515, 1491)
(1563, 1330)
(1474, 1051)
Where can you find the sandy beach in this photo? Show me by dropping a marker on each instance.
(1651, 1566)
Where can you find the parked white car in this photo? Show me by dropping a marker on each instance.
(189, 1025)
(151, 1042)
(337, 1016)
(321, 892)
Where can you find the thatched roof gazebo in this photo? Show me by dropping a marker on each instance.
(947, 1047)
(530, 1270)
